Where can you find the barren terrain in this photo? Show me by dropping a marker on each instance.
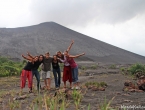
(113, 93)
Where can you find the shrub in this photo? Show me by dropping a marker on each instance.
(83, 67)
(94, 67)
(96, 84)
(112, 66)
(122, 69)
(106, 105)
(9, 67)
(103, 84)
(136, 68)
(77, 97)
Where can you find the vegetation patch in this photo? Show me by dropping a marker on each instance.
(96, 86)
(136, 70)
(94, 66)
(9, 67)
(113, 66)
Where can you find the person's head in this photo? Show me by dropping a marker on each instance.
(59, 53)
(55, 57)
(47, 55)
(66, 53)
(40, 57)
(36, 58)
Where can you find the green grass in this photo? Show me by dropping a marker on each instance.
(83, 68)
(9, 67)
(137, 68)
(113, 66)
(77, 97)
(47, 101)
(96, 84)
(106, 105)
(94, 66)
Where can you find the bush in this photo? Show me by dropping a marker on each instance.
(94, 66)
(83, 68)
(136, 68)
(9, 67)
(3, 60)
(112, 66)
(97, 84)
(122, 69)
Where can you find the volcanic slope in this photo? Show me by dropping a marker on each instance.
(52, 37)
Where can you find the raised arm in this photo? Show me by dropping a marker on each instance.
(72, 42)
(76, 56)
(27, 58)
(30, 55)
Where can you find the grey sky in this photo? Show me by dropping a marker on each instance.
(118, 22)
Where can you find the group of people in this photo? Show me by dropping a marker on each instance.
(70, 70)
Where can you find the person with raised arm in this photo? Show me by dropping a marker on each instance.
(74, 68)
(68, 49)
(27, 73)
(67, 75)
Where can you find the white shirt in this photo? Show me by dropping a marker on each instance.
(65, 61)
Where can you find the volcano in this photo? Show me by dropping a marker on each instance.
(52, 37)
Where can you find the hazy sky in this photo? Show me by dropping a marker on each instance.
(117, 22)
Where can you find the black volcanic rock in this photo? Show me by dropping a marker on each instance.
(52, 37)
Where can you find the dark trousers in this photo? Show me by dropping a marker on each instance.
(57, 77)
(37, 75)
(75, 74)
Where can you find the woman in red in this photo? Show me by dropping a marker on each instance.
(67, 75)
(27, 73)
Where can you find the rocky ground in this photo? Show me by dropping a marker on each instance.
(113, 93)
